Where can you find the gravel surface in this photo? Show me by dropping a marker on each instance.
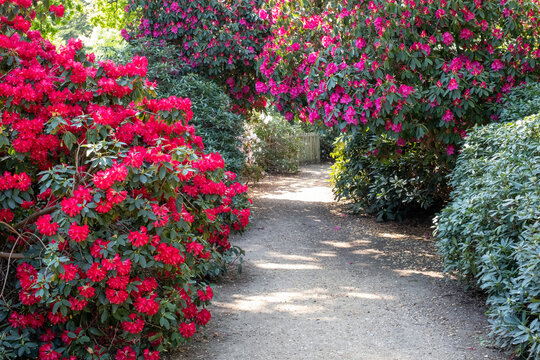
(318, 283)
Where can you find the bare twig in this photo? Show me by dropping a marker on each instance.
(7, 269)
(12, 255)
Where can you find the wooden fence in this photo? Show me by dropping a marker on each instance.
(310, 148)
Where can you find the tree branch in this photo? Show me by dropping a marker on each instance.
(34, 216)
(6, 255)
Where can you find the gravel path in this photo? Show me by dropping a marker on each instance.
(319, 284)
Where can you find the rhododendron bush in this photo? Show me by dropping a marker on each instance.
(111, 214)
(216, 39)
(420, 71)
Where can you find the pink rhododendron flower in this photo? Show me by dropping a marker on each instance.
(263, 14)
(326, 41)
(448, 116)
(466, 34)
(405, 90)
(497, 65)
(360, 43)
(453, 85)
(331, 69)
(447, 38)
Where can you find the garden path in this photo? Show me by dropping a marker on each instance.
(320, 284)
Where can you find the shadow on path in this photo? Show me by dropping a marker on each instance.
(320, 284)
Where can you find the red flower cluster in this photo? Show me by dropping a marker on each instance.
(139, 238)
(16, 181)
(168, 254)
(78, 233)
(45, 226)
(113, 196)
(187, 330)
(146, 306)
(135, 326)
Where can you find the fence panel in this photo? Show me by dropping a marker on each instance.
(310, 148)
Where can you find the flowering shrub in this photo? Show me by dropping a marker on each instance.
(216, 39)
(110, 212)
(416, 70)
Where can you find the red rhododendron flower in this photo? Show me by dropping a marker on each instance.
(150, 355)
(97, 246)
(56, 318)
(126, 353)
(205, 296)
(58, 10)
(45, 226)
(195, 248)
(135, 326)
(140, 238)
(70, 272)
(96, 273)
(118, 282)
(203, 317)
(46, 352)
(147, 285)
(187, 330)
(190, 311)
(116, 296)
(168, 254)
(87, 291)
(6, 215)
(123, 267)
(77, 304)
(146, 306)
(78, 233)
(71, 206)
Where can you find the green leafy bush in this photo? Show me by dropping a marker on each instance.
(489, 233)
(280, 145)
(521, 102)
(388, 186)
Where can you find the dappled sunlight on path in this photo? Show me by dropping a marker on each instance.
(318, 283)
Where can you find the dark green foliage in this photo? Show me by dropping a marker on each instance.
(490, 232)
(327, 140)
(390, 187)
(220, 129)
